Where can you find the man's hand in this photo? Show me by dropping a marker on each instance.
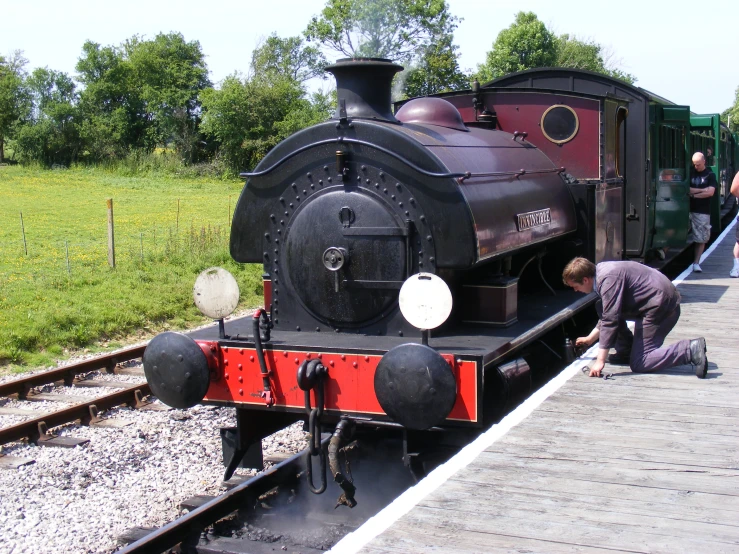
(590, 339)
(596, 368)
(600, 362)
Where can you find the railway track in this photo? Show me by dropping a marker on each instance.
(274, 511)
(87, 410)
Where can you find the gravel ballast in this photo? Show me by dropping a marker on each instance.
(79, 500)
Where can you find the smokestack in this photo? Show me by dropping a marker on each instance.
(363, 87)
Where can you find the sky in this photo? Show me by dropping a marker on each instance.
(687, 55)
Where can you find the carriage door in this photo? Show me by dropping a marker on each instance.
(671, 177)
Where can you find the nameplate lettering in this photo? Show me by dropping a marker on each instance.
(533, 219)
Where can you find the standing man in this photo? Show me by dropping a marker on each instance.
(703, 185)
(735, 191)
(632, 291)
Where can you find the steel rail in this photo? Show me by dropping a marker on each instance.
(35, 429)
(67, 373)
(191, 524)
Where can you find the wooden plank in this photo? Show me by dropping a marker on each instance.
(589, 511)
(89, 383)
(70, 398)
(18, 411)
(502, 495)
(574, 533)
(528, 446)
(638, 474)
(414, 539)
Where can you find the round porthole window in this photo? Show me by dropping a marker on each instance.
(559, 123)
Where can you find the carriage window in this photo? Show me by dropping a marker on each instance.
(621, 114)
(703, 141)
(559, 123)
(672, 149)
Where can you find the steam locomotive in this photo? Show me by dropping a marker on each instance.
(490, 191)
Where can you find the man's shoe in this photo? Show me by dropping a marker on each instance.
(697, 268)
(734, 272)
(698, 357)
(619, 359)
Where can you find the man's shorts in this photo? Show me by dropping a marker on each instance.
(701, 226)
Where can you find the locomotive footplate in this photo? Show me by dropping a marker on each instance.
(352, 361)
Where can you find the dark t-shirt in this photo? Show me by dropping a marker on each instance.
(700, 180)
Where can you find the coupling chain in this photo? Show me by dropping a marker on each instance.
(312, 376)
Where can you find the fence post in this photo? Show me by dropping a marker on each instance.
(111, 239)
(23, 232)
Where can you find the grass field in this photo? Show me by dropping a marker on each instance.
(57, 292)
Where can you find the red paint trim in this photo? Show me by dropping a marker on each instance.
(349, 388)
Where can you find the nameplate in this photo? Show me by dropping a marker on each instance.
(533, 219)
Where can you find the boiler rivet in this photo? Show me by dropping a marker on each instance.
(225, 375)
(241, 392)
(355, 364)
(251, 358)
(241, 379)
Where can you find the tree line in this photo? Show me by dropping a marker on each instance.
(148, 94)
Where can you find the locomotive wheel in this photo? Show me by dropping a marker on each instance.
(176, 370)
(415, 386)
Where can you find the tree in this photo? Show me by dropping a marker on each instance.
(436, 71)
(288, 57)
(249, 116)
(393, 29)
(114, 118)
(141, 95)
(15, 103)
(52, 134)
(589, 55)
(169, 74)
(527, 43)
(730, 116)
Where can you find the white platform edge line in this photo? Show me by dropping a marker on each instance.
(355, 541)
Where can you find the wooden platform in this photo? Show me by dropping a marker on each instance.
(638, 463)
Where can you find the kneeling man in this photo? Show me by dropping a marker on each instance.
(632, 291)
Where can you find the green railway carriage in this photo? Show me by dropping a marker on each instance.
(713, 138)
(660, 140)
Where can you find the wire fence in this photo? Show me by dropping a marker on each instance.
(36, 257)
